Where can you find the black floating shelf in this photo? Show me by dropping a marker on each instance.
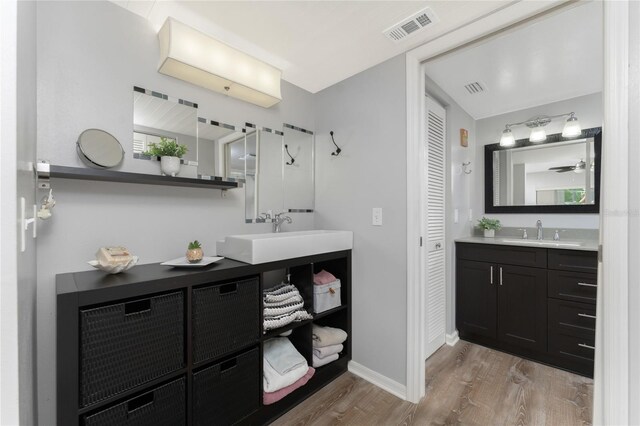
(278, 331)
(329, 312)
(126, 177)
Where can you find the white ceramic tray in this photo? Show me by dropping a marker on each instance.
(182, 262)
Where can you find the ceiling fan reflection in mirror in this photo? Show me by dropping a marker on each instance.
(579, 167)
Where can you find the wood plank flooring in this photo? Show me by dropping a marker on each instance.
(467, 384)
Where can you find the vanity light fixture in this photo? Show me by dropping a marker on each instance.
(571, 129)
(189, 55)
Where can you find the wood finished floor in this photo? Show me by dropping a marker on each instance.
(467, 384)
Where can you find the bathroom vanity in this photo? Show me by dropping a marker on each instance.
(534, 302)
(164, 346)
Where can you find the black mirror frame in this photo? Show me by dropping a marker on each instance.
(595, 133)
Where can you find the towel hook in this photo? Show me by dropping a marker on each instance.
(293, 160)
(338, 150)
(464, 167)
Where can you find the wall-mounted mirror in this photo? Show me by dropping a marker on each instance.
(558, 176)
(270, 182)
(298, 175)
(220, 150)
(158, 115)
(99, 149)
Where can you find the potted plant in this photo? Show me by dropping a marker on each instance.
(490, 226)
(169, 152)
(194, 252)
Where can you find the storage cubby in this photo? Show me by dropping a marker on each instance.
(341, 269)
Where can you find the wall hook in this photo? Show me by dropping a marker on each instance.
(338, 150)
(293, 160)
(464, 167)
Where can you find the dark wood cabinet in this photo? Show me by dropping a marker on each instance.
(534, 302)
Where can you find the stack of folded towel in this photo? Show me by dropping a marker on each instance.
(323, 277)
(284, 369)
(283, 305)
(327, 344)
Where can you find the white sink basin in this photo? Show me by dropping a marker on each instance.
(544, 243)
(262, 248)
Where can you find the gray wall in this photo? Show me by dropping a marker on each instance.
(90, 55)
(458, 185)
(588, 109)
(367, 113)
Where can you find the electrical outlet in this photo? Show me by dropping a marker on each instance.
(376, 219)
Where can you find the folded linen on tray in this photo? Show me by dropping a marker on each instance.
(282, 355)
(269, 398)
(327, 351)
(319, 362)
(327, 336)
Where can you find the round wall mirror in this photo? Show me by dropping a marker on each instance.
(99, 149)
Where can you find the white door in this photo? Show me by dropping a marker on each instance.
(434, 217)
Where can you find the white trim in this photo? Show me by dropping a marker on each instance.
(383, 382)
(452, 339)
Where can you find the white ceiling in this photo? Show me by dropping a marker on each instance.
(556, 58)
(315, 43)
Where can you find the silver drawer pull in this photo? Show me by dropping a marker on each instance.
(583, 345)
(492, 275)
(587, 316)
(501, 275)
(587, 285)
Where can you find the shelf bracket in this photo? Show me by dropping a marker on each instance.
(43, 174)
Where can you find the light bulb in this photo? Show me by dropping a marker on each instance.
(537, 135)
(507, 138)
(572, 127)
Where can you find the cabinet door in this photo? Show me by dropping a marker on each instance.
(522, 307)
(476, 298)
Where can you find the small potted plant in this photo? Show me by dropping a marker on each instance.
(169, 152)
(194, 252)
(490, 226)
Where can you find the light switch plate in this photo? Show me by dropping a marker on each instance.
(376, 219)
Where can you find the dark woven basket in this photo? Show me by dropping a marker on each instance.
(164, 406)
(225, 318)
(127, 344)
(226, 392)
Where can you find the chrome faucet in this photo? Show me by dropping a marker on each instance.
(539, 226)
(278, 220)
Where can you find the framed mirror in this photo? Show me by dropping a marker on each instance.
(558, 176)
(298, 173)
(99, 149)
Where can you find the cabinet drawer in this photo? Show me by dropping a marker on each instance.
(127, 344)
(573, 260)
(507, 255)
(226, 317)
(163, 406)
(577, 319)
(228, 391)
(574, 353)
(574, 286)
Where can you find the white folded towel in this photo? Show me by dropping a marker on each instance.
(282, 355)
(327, 351)
(319, 362)
(327, 336)
(272, 381)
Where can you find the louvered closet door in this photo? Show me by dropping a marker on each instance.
(435, 143)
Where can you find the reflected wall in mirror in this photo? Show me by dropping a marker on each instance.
(270, 172)
(249, 157)
(298, 175)
(158, 115)
(559, 176)
(220, 150)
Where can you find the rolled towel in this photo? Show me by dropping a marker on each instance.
(282, 355)
(319, 362)
(327, 336)
(272, 381)
(269, 398)
(323, 277)
(327, 351)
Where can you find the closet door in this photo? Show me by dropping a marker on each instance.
(434, 162)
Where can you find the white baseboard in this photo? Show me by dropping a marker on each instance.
(452, 339)
(383, 382)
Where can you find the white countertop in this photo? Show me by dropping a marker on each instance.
(584, 245)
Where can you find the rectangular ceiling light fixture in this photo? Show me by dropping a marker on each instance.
(192, 56)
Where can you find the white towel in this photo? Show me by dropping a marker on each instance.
(272, 381)
(327, 351)
(282, 355)
(327, 336)
(319, 362)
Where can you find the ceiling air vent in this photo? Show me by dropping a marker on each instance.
(411, 25)
(475, 87)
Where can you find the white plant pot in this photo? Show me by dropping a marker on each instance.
(489, 233)
(170, 165)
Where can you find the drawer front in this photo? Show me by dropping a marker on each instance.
(127, 344)
(573, 286)
(163, 406)
(507, 255)
(573, 260)
(571, 352)
(576, 319)
(228, 391)
(226, 317)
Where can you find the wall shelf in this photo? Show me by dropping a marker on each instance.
(81, 173)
